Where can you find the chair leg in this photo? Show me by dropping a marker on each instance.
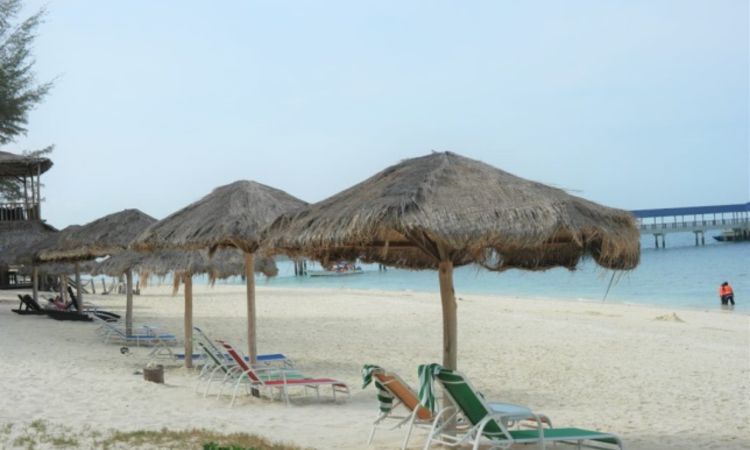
(372, 435)
(234, 394)
(409, 430)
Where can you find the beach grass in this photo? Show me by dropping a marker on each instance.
(194, 438)
(38, 434)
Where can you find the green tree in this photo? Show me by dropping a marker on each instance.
(19, 90)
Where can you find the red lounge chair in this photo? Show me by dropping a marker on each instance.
(270, 378)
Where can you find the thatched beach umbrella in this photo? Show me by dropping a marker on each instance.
(16, 240)
(105, 236)
(443, 210)
(231, 216)
(30, 254)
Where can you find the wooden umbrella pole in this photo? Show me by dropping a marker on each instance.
(450, 339)
(448, 299)
(79, 292)
(35, 282)
(252, 347)
(63, 287)
(188, 279)
(129, 302)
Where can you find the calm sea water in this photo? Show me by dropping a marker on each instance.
(680, 276)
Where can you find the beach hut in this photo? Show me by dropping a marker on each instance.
(105, 236)
(21, 222)
(24, 172)
(231, 216)
(444, 210)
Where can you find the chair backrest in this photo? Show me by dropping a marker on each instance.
(30, 302)
(466, 398)
(217, 360)
(396, 386)
(73, 300)
(200, 337)
(241, 362)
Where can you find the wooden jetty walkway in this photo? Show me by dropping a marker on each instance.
(733, 220)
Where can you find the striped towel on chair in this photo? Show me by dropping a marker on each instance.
(384, 397)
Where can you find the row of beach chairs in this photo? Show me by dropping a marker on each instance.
(273, 375)
(468, 418)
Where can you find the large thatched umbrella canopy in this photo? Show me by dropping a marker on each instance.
(108, 235)
(233, 215)
(444, 210)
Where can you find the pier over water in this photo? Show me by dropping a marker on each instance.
(733, 220)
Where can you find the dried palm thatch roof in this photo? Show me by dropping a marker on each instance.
(224, 263)
(60, 268)
(444, 206)
(20, 165)
(30, 254)
(231, 216)
(18, 238)
(105, 236)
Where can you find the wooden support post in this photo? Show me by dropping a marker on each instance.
(696, 238)
(188, 280)
(35, 282)
(129, 302)
(26, 209)
(63, 287)
(703, 238)
(656, 240)
(448, 299)
(252, 347)
(38, 211)
(79, 291)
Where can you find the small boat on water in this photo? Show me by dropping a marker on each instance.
(333, 273)
(733, 236)
(338, 270)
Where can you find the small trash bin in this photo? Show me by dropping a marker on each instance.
(154, 374)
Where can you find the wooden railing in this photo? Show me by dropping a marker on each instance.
(694, 224)
(18, 211)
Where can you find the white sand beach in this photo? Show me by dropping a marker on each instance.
(657, 382)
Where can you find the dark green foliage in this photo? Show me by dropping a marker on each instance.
(19, 92)
(215, 446)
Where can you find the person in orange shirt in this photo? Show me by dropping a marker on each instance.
(726, 294)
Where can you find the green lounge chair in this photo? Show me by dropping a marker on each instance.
(485, 427)
(393, 392)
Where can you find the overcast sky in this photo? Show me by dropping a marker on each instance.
(634, 104)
